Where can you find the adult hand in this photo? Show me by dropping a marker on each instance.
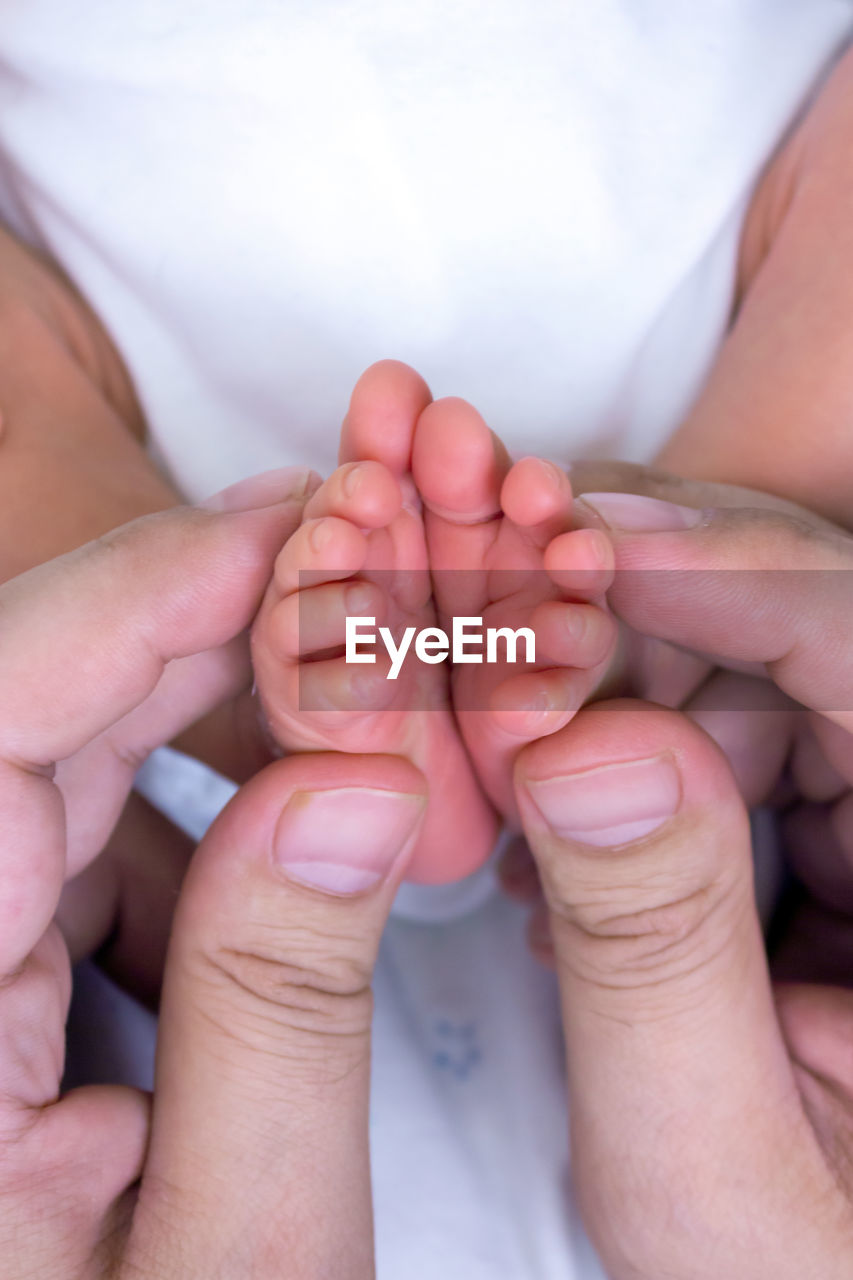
(121, 906)
(254, 1159)
(781, 753)
(766, 589)
(711, 1115)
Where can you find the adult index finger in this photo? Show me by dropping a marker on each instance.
(86, 637)
(745, 585)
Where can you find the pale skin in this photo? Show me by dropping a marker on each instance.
(774, 414)
(711, 1117)
(799, 380)
(364, 551)
(706, 1108)
(269, 979)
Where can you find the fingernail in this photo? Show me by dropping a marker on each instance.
(264, 490)
(611, 805)
(635, 514)
(345, 840)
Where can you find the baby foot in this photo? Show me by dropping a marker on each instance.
(361, 552)
(502, 548)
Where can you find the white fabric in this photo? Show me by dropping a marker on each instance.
(534, 203)
(537, 204)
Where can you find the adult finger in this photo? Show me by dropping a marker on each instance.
(677, 1071)
(613, 477)
(86, 637)
(85, 640)
(753, 723)
(64, 1164)
(121, 905)
(259, 1156)
(744, 585)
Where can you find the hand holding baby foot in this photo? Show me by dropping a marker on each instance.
(258, 1137)
(495, 543)
(710, 1115)
(684, 1063)
(361, 552)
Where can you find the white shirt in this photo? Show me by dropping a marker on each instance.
(538, 206)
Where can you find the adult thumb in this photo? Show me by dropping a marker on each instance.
(258, 1163)
(683, 1103)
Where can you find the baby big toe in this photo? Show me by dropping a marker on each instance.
(386, 403)
(458, 464)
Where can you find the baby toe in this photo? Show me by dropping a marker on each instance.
(321, 550)
(386, 403)
(534, 704)
(363, 492)
(580, 562)
(315, 620)
(536, 494)
(573, 634)
(458, 464)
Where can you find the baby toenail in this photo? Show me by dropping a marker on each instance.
(352, 480)
(358, 599)
(320, 535)
(575, 622)
(551, 469)
(534, 702)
